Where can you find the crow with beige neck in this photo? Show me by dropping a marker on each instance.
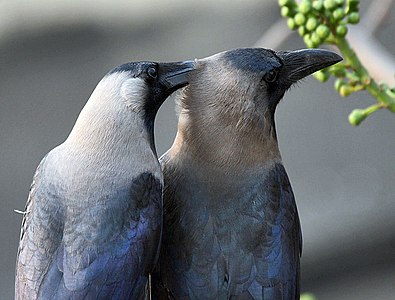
(231, 227)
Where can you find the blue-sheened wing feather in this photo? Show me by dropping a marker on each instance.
(41, 235)
(240, 242)
(102, 251)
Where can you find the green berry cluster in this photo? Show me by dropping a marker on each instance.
(325, 22)
(318, 21)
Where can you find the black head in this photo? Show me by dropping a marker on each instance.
(154, 82)
(144, 86)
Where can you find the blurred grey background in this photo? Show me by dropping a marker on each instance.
(52, 54)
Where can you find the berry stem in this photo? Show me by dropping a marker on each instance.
(366, 80)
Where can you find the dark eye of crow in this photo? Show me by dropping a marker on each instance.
(271, 76)
(152, 72)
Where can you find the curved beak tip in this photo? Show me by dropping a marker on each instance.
(302, 63)
(329, 57)
(175, 75)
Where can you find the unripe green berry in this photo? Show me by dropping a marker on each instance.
(300, 19)
(316, 39)
(286, 11)
(302, 30)
(357, 116)
(318, 5)
(345, 90)
(340, 2)
(353, 77)
(321, 75)
(307, 296)
(305, 7)
(353, 2)
(311, 23)
(330, 4)
(338, 13)
(341, 30)
(291, 24)
(308, 41)
(353, 18)
(284, 2)
(310, 45)
(352, 6)
(338, 84)
(338, 70)
(323, 31)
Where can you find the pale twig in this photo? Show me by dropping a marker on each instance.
(376, 14)
(377, 60)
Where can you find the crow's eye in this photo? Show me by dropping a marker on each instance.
(271, 76)
(152, 72)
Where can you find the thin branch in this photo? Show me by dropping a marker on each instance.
(376, 14)
(377, 60)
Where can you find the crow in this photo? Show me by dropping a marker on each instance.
(231, 226)
(93, 220)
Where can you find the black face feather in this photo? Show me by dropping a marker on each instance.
(279, 70)
(161, 79)
(295, 64)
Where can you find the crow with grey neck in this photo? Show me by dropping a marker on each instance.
(92, 224)
(231, 227)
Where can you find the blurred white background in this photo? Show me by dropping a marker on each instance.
(52, 54)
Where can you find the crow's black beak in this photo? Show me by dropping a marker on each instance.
(175, 75)
(301, 63)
